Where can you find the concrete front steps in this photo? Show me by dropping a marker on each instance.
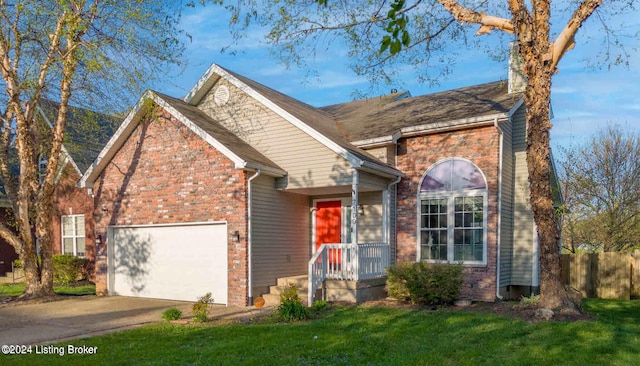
(301, 282)
(13, 277)
(331, 290)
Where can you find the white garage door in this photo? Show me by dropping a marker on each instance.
(178, 262)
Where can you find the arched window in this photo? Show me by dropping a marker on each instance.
(452, 210)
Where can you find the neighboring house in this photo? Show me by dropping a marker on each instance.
(7, 253)
(237, 185)
(85, 135)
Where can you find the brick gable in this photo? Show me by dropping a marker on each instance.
(166, 174)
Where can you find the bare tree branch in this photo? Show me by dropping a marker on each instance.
(486, 22)
(565, 40)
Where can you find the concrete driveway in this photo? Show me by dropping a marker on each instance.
(85, 316)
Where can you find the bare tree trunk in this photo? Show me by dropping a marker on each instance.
(537, 98)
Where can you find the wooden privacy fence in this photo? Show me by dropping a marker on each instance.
(603, 275)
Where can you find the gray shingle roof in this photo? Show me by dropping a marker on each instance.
(86, 131)
(219, 132)
(315, 118)
(386, 115)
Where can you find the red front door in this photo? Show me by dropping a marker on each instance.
(329, 226)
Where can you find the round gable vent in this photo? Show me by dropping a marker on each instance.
(221, 96)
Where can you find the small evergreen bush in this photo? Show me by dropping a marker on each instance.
(291, 307)
(171, 314)
(425, 283)
(200, 310)
(68, 269)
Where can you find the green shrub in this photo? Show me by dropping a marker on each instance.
(532, 300)
(17, 263)
(291, 307)
(425, 283)
(319, 305)
(171, 314)
(200, 310)
(68, 269)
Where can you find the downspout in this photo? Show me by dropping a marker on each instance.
(395, 216)
(355, 187)
(395, 201)
(249, 231)
(495, 122)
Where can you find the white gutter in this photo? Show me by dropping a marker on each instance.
(495, 121)
(378, 141)
(451, 125)
(249, 238)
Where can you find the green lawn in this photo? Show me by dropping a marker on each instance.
(375, 336)
(18, 288)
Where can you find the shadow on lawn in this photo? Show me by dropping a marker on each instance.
(456, 334)
(381, 336)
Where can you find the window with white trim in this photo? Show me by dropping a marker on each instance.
(452, 213)
(42, 168)
(73, 235)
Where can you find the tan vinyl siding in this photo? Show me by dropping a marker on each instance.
(506, 219)
(522, 257)
(519, 130)
(370, 181)
(280, 237)
(370, 224)
(379, 152)
(386, 154)
(308, 163)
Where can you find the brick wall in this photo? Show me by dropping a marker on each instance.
(163, 174)
(415, 156)
(72, 200)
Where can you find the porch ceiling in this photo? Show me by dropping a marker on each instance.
(333, 190)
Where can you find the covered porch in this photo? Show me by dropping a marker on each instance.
(358, 265)
(351, 238)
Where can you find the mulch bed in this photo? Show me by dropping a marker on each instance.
(509, 309)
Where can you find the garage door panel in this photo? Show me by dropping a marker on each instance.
(179, 262)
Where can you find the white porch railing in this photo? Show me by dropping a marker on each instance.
(347, 262)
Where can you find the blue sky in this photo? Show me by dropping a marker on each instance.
(584, 100)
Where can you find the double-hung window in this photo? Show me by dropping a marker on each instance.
(73, 235)
(452, 210)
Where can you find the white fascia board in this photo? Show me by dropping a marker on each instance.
(131, 122)
(201, 84)
(378, 141)
(453, 124)
(239, 162)
(331, 145)
(380, 170)
(266, 170)
(116, 141)
(515, 108)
